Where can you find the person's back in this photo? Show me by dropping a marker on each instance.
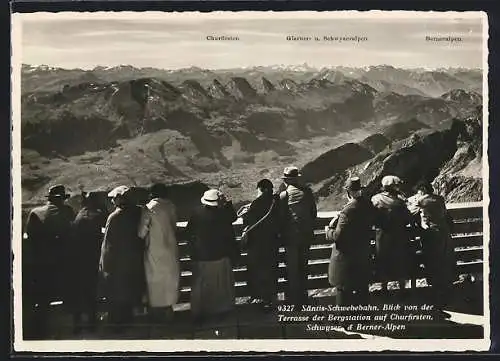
(49, 224)
(162, 230)
(161, 258)
(298, 209)
(87, 233)
(212, 249)
(123, 245)
(49, 231)
(45, 261)
(85, 252)
(355, 233)
(298, 202)
(394, 214)
(393, 252)
(212, 234)
(351, 233)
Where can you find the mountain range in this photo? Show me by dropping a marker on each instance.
(102, 127)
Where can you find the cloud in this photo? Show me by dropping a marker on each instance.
(172, 41)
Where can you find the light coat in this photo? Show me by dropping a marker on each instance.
(161, 257)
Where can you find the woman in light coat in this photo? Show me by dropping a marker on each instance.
(161, 258)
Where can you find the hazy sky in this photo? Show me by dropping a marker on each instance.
(179, 40)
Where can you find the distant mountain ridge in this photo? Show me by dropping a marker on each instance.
(382, 77)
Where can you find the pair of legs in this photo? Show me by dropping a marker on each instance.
(36, 317)
(297, 256)
(440, 266)
(159, 315)
(120, 315)
(401, 283)
(79, 314)
(349, 296)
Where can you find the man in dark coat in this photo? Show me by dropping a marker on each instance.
(350, 266)
(437, 245)
(45, 258)
(298, 218)
(263, 220)
(122, 259)
(393, 258)
(86, 247)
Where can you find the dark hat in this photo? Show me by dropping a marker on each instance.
(91, 196)
(158, 190)
(424, 186)
(353, 184)
(58, 191)
(265, 184)
(291, 172)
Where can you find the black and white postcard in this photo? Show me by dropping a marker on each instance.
(250, 181)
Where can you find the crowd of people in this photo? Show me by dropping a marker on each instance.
(137, 256)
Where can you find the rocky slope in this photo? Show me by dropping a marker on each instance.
(100, 128)
(451, 159)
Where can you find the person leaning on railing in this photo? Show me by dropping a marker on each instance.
(262, 224)
(438, 252)
(299, 214)
(85, 251)
(122, 259)
(392, 237)
(161, 257)
(213, 251)
(45, 260)
(350, 269)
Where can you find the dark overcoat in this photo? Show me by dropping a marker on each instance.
(211, 234)
(122, 257)
(394, 258)
(86, 242)
(45, 253)
(262, 246)
(350, 262)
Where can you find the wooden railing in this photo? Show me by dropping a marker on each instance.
(467, 237)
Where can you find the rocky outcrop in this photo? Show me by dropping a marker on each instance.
(375, 143)
(460, 179)
(240, 88)
(422, 159)
(335, 161)
(217, 90)
(268, 86)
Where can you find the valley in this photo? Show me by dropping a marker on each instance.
(96, 129)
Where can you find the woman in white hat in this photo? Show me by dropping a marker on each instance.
(122, 259)
(393, 258)
(213, 248)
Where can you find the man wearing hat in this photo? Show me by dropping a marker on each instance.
(45, 258)
(393, 258)
(351, 233)
(298, 218)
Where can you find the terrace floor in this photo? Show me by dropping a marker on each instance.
(249, 321)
